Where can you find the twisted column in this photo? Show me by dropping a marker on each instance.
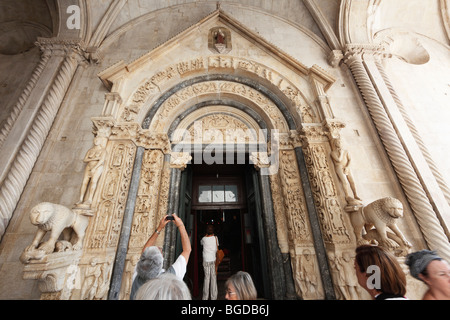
(426, 217)
(9, 123)
(429, 159)
(22, 165)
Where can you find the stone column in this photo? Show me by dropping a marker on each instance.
(430, 226)
(122, 247)
(434, 184)
(25, 140)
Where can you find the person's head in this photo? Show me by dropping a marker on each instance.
(165, 287)
(430, 268)
(209, 229)
(240, 287)
(374, 261)
(150, 264)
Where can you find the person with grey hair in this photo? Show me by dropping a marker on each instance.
(165, 287)
(429, 267)
(240, 287)
(150, 263)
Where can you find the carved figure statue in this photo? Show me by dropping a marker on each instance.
(219, 36)
(95, 159)
(342, 159)
(57, 220)
(381, 215)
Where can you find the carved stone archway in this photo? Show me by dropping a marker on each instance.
(306, 227)
(247, 96)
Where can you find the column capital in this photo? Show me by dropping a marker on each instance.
(73, 48)
(358, 51)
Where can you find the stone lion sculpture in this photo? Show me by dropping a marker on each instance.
(381, 215)
(55, 219)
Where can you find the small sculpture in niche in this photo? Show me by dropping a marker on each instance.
(55, 219)
(376, 218)
(219, 40)
(95, 159)
(342, 159)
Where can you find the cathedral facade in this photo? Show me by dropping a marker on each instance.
(299, 128)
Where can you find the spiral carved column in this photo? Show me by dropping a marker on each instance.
(9, 123)
(432, 230)
(429, 159)
(22, 165)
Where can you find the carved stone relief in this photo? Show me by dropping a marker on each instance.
(172, 106)
(150, 88)
(146, 209)
(104, 231)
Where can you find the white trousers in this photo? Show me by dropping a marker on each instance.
(210, 281)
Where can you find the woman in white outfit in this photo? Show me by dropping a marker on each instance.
(210, 244)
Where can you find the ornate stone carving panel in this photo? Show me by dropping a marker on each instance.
(146, 209)
(111, 201)
(334, 228)
(104, 230)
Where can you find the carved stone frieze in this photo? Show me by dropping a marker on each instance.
(151, 87)
(96, 276)
(168, 110)
(220, 128)
(306, 274)
(110, 202)
(295, 205)
(334, 228)
(279, 209)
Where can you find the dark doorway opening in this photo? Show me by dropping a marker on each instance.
(227, 197)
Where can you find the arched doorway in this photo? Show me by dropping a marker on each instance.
(225, 196)
(160, 112)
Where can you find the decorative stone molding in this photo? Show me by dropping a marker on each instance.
(56, 273)
(179, 160)
(150, 87)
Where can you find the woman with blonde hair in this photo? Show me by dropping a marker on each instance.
(240, 287)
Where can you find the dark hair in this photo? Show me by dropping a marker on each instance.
(392, 277)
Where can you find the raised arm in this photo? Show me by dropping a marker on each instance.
(185, 242)
(151, 241)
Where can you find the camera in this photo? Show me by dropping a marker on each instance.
(170, 218)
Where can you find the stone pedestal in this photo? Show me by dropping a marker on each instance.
(55, 272)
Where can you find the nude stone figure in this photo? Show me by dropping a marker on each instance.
(342, 159)
(95, 159)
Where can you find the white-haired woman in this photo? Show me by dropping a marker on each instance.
(240, 287)
(165, 287)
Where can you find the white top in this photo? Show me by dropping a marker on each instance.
(209, 248)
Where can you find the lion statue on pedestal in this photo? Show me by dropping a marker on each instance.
(376, 218)
(55, 219)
